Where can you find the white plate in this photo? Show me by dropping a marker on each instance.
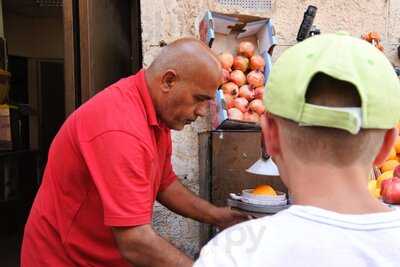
(247, 193)
(264, 202)
(249, 198)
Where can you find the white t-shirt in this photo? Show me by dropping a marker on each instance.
(308, 236)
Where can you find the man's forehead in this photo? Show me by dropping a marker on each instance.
(208, 92)
(206, 80)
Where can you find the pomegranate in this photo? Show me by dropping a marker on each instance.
(255, 78)
(225, 76)
(238, 77)
(391, 191)
(240, 63)
(229, 101)
(258, 92)
(257, 106)
(246, 92)
(230, 104)
(246, 49)
(251, 116)
(230, 88)
(235, 114)
(226, 60)
(257, 63)
(241, 103)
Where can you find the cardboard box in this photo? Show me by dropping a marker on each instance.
(223, 33)
(4, 85)
(5, 128)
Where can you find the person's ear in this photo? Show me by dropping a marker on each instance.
(169, 80)
(270, 132)
(388, 142)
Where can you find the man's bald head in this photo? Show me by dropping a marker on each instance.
(189, 57)
(181, 79)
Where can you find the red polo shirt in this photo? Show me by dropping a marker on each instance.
(105, 168)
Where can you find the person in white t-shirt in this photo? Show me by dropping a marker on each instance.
(332, 103)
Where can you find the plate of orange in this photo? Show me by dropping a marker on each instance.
(263, 195)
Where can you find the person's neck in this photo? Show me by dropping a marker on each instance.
(150, 78)
(339, 189)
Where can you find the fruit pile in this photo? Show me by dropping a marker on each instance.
(374, 38)
(243, 85)
(387, 185)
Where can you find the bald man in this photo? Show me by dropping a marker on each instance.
(111, 160)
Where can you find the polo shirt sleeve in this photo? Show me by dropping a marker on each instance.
(169, 175)
(120, 166)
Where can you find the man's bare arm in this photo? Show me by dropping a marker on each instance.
(181, 200)
(143, 247)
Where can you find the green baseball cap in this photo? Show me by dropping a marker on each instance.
(344, 58)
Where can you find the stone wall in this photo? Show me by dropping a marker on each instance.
(171, 19)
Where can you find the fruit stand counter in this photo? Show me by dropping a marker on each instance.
(224, 157)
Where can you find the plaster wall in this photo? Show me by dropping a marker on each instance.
(171, 19)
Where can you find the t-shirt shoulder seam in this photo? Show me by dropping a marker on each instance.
(107, 132)
(307, 214)
(73, 219)
(349, 225)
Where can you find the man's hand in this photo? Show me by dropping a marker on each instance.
(226, 217)
(182, 201)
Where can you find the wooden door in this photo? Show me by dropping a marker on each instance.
(102, 45)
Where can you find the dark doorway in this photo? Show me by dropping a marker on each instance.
(34, 35)
(19, 97)
(18, 66)
(18, 171)
(52, 103)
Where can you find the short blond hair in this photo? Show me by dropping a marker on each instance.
(330, 145)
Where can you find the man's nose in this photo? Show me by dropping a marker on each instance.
(201, 109)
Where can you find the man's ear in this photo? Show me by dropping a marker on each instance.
(168, 80)
(388, 142)
(270, 132)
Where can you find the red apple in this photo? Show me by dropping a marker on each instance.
(383, 184)
(396, 172)
(391, 191)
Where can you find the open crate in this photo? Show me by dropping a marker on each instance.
(223, 32)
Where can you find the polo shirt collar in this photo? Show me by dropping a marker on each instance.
(146, 98)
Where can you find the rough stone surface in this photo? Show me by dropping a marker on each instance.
(171, 19)
(182, 232)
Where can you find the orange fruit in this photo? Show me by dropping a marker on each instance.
(374, 36)
(373, 189)
(264, 190)
(382, 177)
(397, 144)
(372, 185)
(389, 165)
(377, 193)
(392, 154)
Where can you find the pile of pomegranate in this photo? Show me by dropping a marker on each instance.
(243, 85)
